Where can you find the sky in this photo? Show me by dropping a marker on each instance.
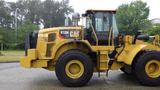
(82, 5)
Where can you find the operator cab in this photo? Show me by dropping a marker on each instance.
(101, 28)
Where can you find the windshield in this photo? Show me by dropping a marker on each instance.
(102, 21)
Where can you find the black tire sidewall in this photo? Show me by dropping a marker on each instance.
(140, 72)
(74, 55)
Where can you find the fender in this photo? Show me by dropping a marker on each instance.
(129, 53)
(68, 45)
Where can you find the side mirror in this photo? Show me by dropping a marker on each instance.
(143, 37)
(137, 34)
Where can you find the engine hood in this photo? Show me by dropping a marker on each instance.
(54, 29)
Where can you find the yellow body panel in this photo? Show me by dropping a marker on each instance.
(56, 29)
(103, 48)
(32, 54)
(42, 42)
(65, 45)
(129, 52)
(31, 60)
(103, 61)
(26, 60)
(29, 63)
(40, 63)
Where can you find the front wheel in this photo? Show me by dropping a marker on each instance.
(147, 68)
(74, 68)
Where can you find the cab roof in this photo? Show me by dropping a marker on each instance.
(94, 10)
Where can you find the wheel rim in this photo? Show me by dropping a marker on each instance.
(152, 68)
(74, 69)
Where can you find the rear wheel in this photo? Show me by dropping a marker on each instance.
(74, 68)
(147, 69)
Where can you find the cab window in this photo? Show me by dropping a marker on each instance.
(102, 22)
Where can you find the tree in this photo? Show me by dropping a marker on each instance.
(53, 12)
(132, 17)
(33, 7)
(5, 18)
(18, 8)
(155, 29)
(27, 11)
(8, 37)
(50, 13)
(1, 43)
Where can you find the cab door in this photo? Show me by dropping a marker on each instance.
(103, 25)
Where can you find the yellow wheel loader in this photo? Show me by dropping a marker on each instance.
(76, 52)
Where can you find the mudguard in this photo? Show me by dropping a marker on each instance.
(129, 53)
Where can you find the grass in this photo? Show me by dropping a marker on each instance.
(11, 56)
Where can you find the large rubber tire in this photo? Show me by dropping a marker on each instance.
(61, 65)
(140, 72)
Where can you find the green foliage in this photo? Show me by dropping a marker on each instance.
(1, 38)
(48, 12)
(53, 12)
(155, 29)
(132, 17)
(5, 18)
(8, 37)
(17, 42)
(2, 32)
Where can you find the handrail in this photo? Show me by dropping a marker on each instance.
(109, 36)
(94, 32)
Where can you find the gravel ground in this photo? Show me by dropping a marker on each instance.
(13, 77)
